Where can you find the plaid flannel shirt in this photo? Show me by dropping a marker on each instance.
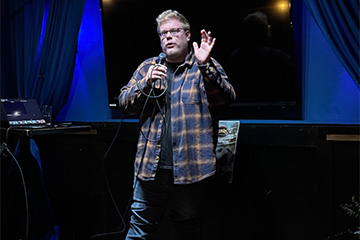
(196, 92)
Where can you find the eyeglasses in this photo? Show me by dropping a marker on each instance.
(173, 31)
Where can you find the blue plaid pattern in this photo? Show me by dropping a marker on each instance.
(197, 92)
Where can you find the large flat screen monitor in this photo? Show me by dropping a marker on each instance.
(256, 43)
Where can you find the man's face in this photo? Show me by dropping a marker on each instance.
(174, 40)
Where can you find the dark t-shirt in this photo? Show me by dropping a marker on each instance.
(166, 154)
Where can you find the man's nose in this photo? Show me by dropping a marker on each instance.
(168, 35)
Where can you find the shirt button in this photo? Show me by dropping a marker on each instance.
(157, 158)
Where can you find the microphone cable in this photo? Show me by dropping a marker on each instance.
(150, 95)
(122, 218)
(2, 148)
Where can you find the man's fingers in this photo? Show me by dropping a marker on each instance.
(204, 36)
(209, 37)
(158, 73)
(196, 46)
(155, 73)
(213, 42)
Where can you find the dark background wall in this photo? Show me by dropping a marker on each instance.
(328, 94)
(289, 181)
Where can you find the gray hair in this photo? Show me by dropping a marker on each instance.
(172, 14)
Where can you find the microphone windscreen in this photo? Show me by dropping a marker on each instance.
(162, 57)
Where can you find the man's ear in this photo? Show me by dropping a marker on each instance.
(188, 35)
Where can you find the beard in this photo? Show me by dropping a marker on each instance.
(176, 53)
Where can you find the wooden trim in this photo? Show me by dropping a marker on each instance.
(343, 137)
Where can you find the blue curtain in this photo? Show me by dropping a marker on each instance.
(43, 43)
(42, 220)
(339, 21)
(56, 63)
(39, 43)
(25, 20)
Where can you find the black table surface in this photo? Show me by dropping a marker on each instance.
(29, 131)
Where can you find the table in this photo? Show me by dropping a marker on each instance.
(39, 220)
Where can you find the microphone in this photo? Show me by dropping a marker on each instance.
(161, 59)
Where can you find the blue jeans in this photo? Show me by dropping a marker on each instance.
(151, 198)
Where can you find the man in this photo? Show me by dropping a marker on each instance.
(177, 102)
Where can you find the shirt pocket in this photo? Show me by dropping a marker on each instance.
(190, 93)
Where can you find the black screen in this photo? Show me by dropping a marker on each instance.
(21, 109)
(262, 74)
(14, 110)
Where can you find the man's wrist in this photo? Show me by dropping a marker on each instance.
(204, 64)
